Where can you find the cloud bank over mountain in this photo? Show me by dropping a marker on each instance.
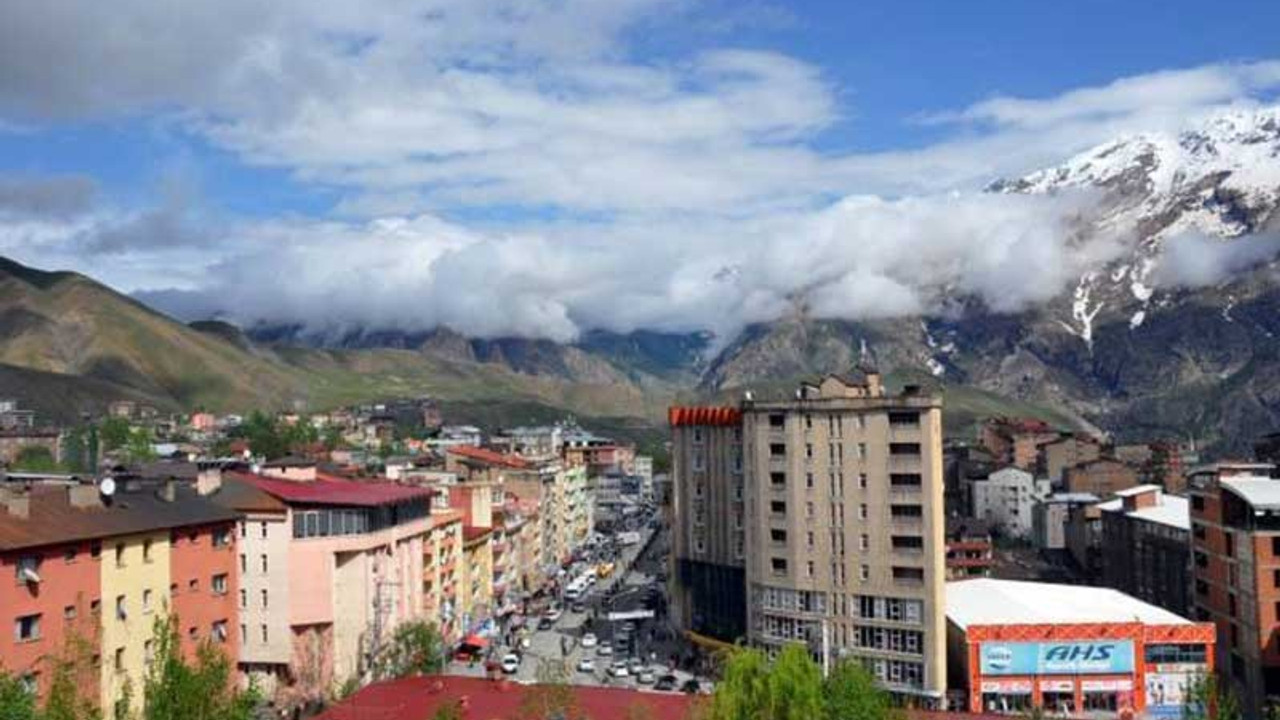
(513, 168)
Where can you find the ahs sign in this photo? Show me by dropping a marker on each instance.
(1057, 658)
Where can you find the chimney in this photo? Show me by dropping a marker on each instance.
(19, 506)
(84, 495)
(169, 491)
(209, 480)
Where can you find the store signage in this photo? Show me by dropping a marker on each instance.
(1006, 686)
(1056, 658)
(1168, 688)
(1106, 685)
(1057, 686)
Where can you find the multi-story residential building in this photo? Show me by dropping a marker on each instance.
(1067, 452)
(1005, 500)
(1103, 477)
(1049, 519)
(708, 581)
(1147, 534)
(1084, 539)
(1235, 550)
(16, 439)
(969, 549)
(264, 535)
(475, 596)
(107, 566)
(962, 465)
(353, 570)
(844, 527)
(1016, 441)
(441, 588)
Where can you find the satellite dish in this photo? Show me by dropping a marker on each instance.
(107, 487)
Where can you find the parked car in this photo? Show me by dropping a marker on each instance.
(510, 663)
(690, 686)
(589, 640)
(646, 676)
(619, 669)
(554, 615)
(635, 665)
(666, 683)
(604, 649)
(545, 623)
(578, 607)
(586, 665)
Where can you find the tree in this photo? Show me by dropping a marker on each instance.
(743, 693)
(139, 446)
(72, 670)
(1206, 699)
(795, 685)
(850, 692)
(16, 701)
(416, 648)
(206, 689)
(114, 433)
(35, 458)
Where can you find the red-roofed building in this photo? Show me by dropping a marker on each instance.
(480, 699)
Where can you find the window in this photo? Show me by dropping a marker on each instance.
(864, 572)
(808, 450)
(1197, 502)
(95, 550)
(173, 589)
(193, 585)
(119, 660)
(244, 633)
(27, 569)
(778, 479)
(219, 631)
(219, 584)
(777, 450)
(904, 449)
(904, 419)
(905, 480)
(146, 601)
(862, 511)
(120, 555)
(264, 564)
(1202, 587)
(808, 537)
(777, 535)
(69, 612)
(243, 528)
(862, 481)
(908, 542)
(95, 606)
(864, 542)
(27, 628)
(779, 565)
(905, 511)
(778, 507)
(908, 574)
(1275, 578)
(1198, 531)
(1275, 545)
(221, 537)
(808, 510)
(264, 530)
(264, 634)
(1201, 559)
(69, 555)
(264, 597)
(244, 598)
(808, 422)
(809, 569)
(146, 551)
(777, 420)
(697, 436)
(1231, 543)
(808, 480)
(243, 567)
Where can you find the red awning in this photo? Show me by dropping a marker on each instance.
(475, 641)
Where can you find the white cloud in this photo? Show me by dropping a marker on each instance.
(1193, 260)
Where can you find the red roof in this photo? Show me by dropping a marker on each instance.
(489, 456)
(474, 532)
(328, 490)
(420, 697)
(721, 416)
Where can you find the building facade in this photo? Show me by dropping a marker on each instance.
(1103, 477)
(1050, 516)
(1147, 534)
(969, 550)
(1235, 548)
(1071, 650)
(707, 580)
(1006, 498)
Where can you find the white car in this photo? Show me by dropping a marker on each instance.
(619, 669)
(646, 676)
(589, 640)
(554, 614)
(604, 649)
(586, 665)
(510, 663)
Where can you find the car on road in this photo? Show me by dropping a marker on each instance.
(578, 607)
(604, 649)
(589, 640)
(510, 663)
(646, 676)
(586, 665)
(545, 623)
(619, 669)
(635, 665)
(690, 686)
(554, 615)
(666, 683)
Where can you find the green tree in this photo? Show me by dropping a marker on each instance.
(72, 670)
(35, 458)
(114, 433)
(795, 685)
(416, 648)
(139, 446)
(16, 702)
(851, 692)
(744, 690)
(75, 449)
(1206, 699)
(204, 690)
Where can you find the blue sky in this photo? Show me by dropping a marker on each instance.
(217, 137)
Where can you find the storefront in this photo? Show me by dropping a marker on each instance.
(1014, 646)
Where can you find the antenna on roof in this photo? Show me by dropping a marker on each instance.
(748, 396)
(107, 486)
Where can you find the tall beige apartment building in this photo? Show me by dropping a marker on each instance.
(843, 525)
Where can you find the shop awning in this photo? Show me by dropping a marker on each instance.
(475, 641)
(708, 643)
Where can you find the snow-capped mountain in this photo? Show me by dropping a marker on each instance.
(1147, 342)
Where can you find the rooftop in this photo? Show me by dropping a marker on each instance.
(1136, 490)
(987, 601)
(329, 490)
(1263, 493)
(1171, 510)
(53, 520)
(719, 416)
(1071, 498)
(420, 697)
(489, 457)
